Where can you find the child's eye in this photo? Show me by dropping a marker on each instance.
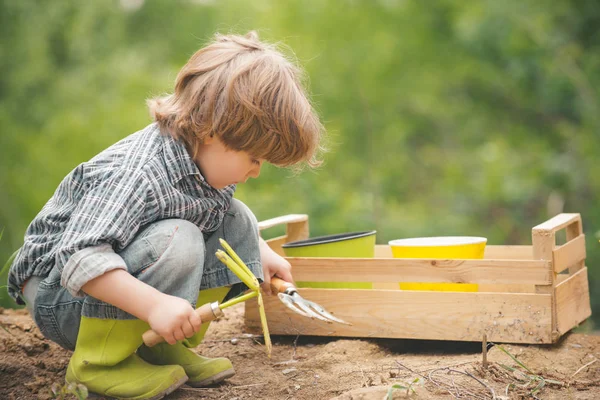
(255, 162)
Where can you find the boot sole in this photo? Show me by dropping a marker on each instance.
(218, 378)
(171, 389)
(167, 391)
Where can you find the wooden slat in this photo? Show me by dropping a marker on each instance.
(569, 254)
(573, 231)
(284, 219)
(512, 288)
(508, 252)
(573, 301)
(543, 240)
(383, 251)
(420, 270)
(276, 243)
(558, 222)
(561, 278)
(386, 285)
(504, 317)
(297, 231)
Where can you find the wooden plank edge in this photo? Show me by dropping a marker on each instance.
(422, 270)
(573, 301)
(569, 254)
(510, 252)
(276, 243)
(557, 223)
(509, 318)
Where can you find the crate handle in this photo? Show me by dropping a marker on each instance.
(297, 226)
(557, 223)
(284, 219)
(544, 242)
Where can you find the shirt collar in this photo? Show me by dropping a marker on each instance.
(178, 160)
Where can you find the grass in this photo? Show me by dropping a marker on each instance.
(528, 380)
(5, 268)
(5, 300)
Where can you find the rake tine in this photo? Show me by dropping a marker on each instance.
(320, 310)
(300, 302)
(289, 303)
(293, 297)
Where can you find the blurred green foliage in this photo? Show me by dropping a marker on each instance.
(444, 117)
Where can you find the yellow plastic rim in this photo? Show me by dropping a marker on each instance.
(438, 241)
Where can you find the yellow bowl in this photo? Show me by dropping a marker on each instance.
(447, 247)
(444, 247)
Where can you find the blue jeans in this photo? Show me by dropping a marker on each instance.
(171, 255)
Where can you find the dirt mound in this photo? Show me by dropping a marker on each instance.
(311, 368)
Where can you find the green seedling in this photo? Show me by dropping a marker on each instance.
(529, 379)
(407, 386)
(79, 391)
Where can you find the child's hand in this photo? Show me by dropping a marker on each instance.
(174, 319)
(273, 264)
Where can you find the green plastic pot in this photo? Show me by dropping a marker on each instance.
(344, 245)
(351, 244)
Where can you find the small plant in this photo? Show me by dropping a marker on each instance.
(8, 262)
(527, 380)
(406, 386)
(69, 389)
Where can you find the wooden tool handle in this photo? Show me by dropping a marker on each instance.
(280, 286)
(207, 312)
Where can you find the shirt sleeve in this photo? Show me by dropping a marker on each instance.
(107, 217)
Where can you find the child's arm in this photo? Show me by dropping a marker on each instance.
(109, 215)
(171, 317)
(273, 264)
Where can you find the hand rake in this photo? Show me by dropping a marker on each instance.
(211, 311)
(289, 295)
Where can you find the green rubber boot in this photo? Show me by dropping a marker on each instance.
(105, 362)
(202, 371)
(205, 296)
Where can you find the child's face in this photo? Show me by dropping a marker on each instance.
(222, 167)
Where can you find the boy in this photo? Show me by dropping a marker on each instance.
(127, 241)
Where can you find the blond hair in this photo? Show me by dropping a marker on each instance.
(249, 95)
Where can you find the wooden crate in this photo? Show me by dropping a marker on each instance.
(527, 294)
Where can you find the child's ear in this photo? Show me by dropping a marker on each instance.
(208, 139)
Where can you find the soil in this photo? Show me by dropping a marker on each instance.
(314, 368)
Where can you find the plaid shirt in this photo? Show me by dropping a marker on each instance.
(101, 205)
